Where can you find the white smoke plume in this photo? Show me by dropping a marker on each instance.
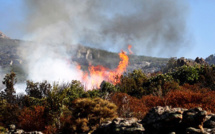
(47, 58)
(151, 26)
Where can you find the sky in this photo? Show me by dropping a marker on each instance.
(200, 20)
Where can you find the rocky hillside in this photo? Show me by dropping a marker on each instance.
(211, 59)
(9, 57)
(3, 36)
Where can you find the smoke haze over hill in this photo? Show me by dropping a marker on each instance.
(151, 26)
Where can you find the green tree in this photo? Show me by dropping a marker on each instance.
(33, 90)
(76, 91)
(132, 83)
(38, 90)
(186, 74)
(9, 92)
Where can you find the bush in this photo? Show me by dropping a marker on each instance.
(32, 119)
(186, 74)
(189, 99)
(2, 130)
(87, 113)
(8, 114)
(132, 83)
(129, 106)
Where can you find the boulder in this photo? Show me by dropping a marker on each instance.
(121, 126)
(163, 119)
(192, 130)
(194, 118)
(12, 130)
(210, 121)
(176, 120)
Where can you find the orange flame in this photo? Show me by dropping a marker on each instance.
(99, 73)
(129, 49)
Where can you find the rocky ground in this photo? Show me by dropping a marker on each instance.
(159, 120)
(163, 120)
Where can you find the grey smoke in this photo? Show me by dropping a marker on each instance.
(2, 74)
(151, 26)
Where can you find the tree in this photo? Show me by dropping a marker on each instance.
(132, 83)
(9, 92)
(33, 90)
(38, 90)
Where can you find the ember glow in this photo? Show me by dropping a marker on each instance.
(99, 73)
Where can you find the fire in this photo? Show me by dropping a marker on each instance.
(99, 73)
(129, 49)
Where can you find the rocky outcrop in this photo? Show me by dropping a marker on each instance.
(3, 36)
(178, 120)
(12, 130)
(163, 120)
(182, 61)
(121, 126)
(200, 61)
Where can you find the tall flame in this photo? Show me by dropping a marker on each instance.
(99, 73)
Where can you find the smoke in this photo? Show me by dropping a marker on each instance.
(48, 61)
(1, 78)
(152, 26)
(19, 87)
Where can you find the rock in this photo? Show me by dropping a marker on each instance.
(194, 118)
(176, 120)
(210, 122)
(121, 126)
(192, 130)
(3, 35)
(12, 130)
(33, 132)
(210, 130)
(200, 61)
(163, 119)
(19, 131)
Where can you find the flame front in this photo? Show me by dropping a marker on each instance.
(99, 73)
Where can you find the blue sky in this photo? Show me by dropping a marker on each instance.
(200, 22)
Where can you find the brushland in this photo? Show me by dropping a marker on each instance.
(69, 108)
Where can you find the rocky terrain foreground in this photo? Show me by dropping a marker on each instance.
(159, 120)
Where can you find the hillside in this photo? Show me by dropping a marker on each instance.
(9, 58)
(70, 107)
(210, 59)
